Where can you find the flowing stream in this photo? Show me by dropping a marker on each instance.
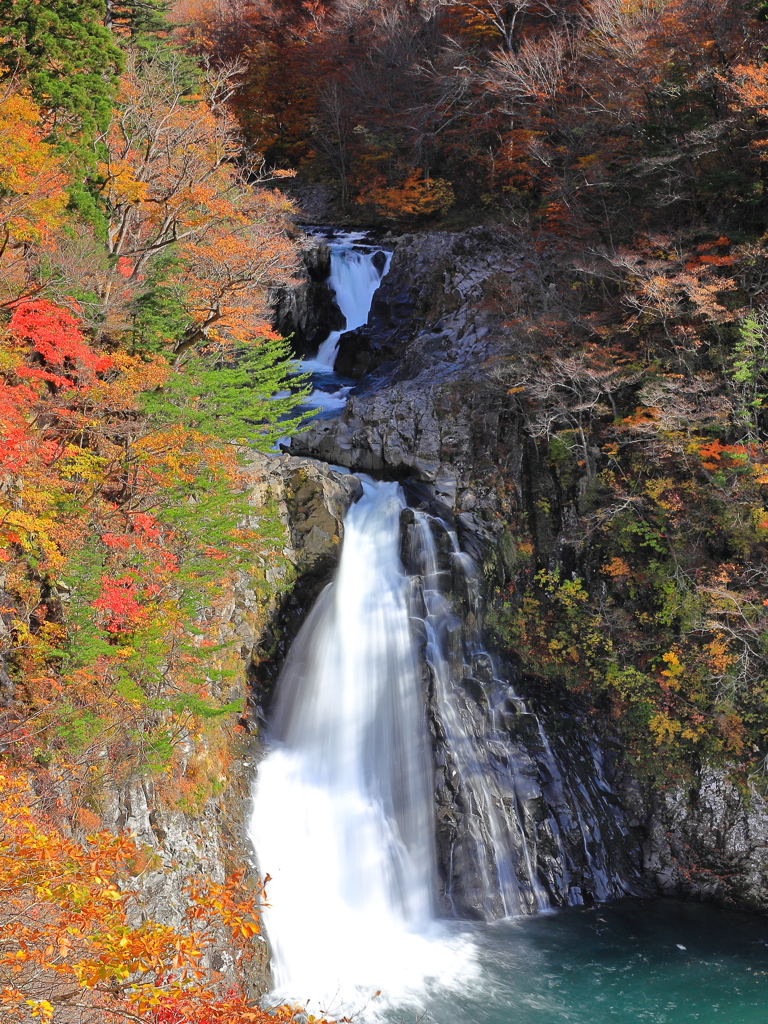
(356, 272)
(408, 791)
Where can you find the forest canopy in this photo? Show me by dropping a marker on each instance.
(622, 143)
(590, 119)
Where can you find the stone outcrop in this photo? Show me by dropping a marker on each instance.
(311, 501)
(178, 846)
(306, 312)
(708, 841)
(436, 309)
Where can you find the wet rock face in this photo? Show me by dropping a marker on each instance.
(311, 502)
(524, 806)
(306, 313)
(553, 787)
(708, 842)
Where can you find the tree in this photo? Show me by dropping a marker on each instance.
(170, 184)
(332, 132)
(565, 396)
(68, 57)
(70, 944)
(411, 198)
(138, 19)
(491, 18)
(33, 195)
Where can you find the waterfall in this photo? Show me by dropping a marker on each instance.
(406, 781)
(343, 812)
(344, 815)
(355, 275)
(523, 828)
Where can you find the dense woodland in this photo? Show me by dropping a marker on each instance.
(624, 144)
(136, 361)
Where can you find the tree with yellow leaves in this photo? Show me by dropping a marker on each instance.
(72, 948)
(33, 195)
(171, 183)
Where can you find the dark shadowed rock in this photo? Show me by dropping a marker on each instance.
(306, 312)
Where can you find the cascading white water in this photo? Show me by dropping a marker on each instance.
(355, 275)
(503, 841)
(533, 833)
(342, 817)
(356, 272)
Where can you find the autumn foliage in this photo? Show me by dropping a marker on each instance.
(137, 366)
(111, 618)
(583, 118)
(34, 195)
(71, 944)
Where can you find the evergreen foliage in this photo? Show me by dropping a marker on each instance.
(139, 19)
(247, 399)
(68, 57)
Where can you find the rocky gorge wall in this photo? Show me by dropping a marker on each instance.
(430, 412)
(431, 409)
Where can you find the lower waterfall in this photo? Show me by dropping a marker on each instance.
(343, 817)
(360, 781)
(526, 823)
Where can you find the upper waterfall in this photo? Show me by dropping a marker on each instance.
(356, 272)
